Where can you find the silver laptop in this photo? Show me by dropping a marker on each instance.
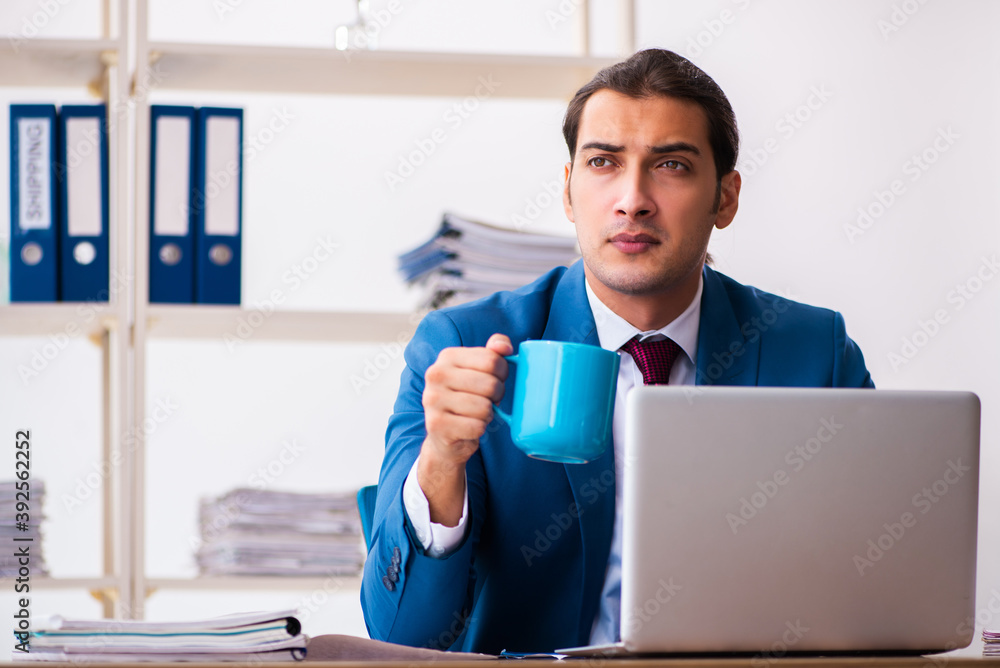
(769, 521)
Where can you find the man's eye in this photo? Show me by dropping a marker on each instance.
(674, 164)
(598, 162)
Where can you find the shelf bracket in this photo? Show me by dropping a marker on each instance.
(97, 87)
(107, 597)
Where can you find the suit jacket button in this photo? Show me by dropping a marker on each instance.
(393, 575)
(389, 584)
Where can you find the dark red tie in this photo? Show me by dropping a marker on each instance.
(654, 359)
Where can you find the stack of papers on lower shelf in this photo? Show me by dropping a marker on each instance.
(465, 260)
(263, 532)
(991, 643)
(22, 502)
(255, 636)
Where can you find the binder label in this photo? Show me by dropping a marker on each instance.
(34, 183)
(84, 188)
(173, 153)
(222, 196)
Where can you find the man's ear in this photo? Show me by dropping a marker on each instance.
(567, 202)
(729, 200)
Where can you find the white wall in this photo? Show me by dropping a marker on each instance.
(885, 98)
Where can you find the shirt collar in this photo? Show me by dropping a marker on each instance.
(613, 330)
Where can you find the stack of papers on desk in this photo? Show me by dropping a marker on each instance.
(465, 260)
(25, 538)
(258, 637)
(261, 532)
(991, 643)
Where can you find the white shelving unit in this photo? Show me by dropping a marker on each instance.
(99, 68)
(117, 68)
(292, 70)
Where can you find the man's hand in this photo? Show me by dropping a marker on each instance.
(461, 388)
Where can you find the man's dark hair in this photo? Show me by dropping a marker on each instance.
(656, 72)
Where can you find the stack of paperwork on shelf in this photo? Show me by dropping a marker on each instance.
(263, 532)
(252, 637)
(466, 260)
(22, 502)
(991, 643)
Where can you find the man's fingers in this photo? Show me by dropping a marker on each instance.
(477, 359)
(500, 344)
(467, 404)
(467, 381)
(446, 427)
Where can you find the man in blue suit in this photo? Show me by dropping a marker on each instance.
(474, 545)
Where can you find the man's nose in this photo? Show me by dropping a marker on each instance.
(635, 200)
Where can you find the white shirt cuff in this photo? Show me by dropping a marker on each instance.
(438, 540)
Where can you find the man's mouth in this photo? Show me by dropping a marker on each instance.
(633, 243)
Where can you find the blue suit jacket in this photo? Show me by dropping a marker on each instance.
(529, 573)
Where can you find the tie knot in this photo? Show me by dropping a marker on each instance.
(654, 359)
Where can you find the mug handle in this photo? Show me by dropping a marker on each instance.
(506, 417)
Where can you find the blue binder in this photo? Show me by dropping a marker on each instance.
(82, 173)
(171, 235)
(218, 205)
(34, 261)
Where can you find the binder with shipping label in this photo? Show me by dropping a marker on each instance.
(82, 175)
(34, 262)
(171, 237)
(218, 205)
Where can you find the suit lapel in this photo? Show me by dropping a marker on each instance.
(725, 356)
(593, 484)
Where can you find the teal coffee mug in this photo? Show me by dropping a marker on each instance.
(564, 400)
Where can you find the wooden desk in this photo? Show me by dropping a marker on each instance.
(744, 662)
(341, 651)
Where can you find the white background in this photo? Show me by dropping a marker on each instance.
(888, 93)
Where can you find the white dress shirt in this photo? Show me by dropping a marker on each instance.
(612, 332)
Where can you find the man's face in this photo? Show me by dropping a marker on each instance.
(641, 191)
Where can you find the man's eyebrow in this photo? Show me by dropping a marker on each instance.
(674, 147)
(601, 146)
